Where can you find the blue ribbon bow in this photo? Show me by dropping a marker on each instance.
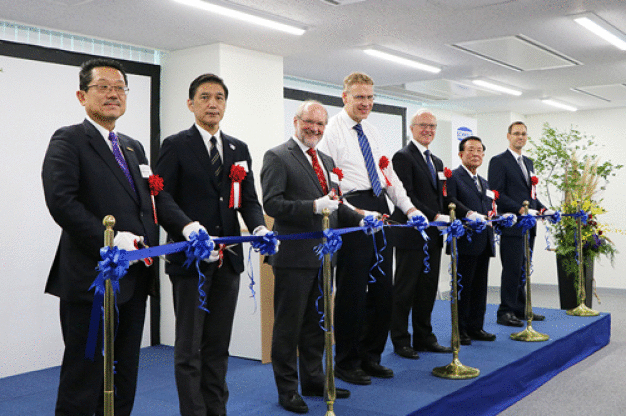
(199, 246)
(332, 244)
(527, 222)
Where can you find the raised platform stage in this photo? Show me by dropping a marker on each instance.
(509, 370)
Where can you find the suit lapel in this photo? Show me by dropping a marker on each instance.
(419, 159)
(133, 165)
(304, 162)
(329, 165)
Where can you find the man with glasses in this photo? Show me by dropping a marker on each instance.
(298, 184)
(198, 166)
(363, 299)
(510, 173)
(91, 171)
(415, 283)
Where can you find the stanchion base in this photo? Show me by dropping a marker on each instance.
(456, 371)
(529, 335)
(582, 310)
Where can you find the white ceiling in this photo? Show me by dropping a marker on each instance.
(522, 34)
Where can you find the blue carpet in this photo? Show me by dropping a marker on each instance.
(509, 370)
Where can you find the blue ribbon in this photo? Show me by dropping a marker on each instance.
(454, 230)
(527, 222)
(554, 218)
(332, 244)
(266, 244)
(582, 215)
(199, 247)
(420, 223)
(113, 267)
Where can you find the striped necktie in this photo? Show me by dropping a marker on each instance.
(433, 173)
(318, 170)
(369, 160)
(216, 161)
(115, 146)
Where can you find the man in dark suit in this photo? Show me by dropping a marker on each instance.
(510, 174)
(415, 288)
(90, 172)
(195, 165)
(474, 200)
(297, 185)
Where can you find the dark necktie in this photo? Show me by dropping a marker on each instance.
(115, 146)
(216, 161)
(433, 173)
(369, 160)
(522, 166)
(318, 170)
(477, 182)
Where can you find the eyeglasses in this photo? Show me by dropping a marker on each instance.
(315, 123)
(103, 89)
(363, 97)
(426, 126)
(517, 133)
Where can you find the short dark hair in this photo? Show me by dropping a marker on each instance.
(85, 76)
(468, 138)
(516, 123)
(203, 79)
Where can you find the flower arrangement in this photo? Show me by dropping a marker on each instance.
(578, 182)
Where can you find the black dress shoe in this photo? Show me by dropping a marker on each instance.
(537, 317)
(509, 319)
(319, 392)
(293, 402)
(376, 370)
(434, 347)
(481, 335)
(465, 339)
(356, 376)
(407, 352)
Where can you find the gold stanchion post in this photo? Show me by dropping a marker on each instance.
(581, 309)
(109, 319)
(528, 334)
(455, 370)
(330, 393)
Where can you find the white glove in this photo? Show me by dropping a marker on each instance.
(261, 230)
(376, 216)
(533, 212)
(475, 216)
(325, 202)
(125, 240)
(416, 213)
(191, 228)
(442, 218)
(549, 212)
(509, 215)
(215, 256)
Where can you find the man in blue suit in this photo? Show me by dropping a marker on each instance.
(510, 174)
(473, 198)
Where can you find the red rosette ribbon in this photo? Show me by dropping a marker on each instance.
(237, 175)
(533, 191)
(493, 211)
(448, 174)
(339, 174)
(383, 164)
(155, 182)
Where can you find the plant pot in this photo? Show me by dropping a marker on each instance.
(567, 290)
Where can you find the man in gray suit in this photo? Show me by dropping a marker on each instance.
(298, 184)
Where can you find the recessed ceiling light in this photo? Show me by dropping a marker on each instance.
(495, 87)
(601, 28)
(246, 15)
(560, 105)
(397, 58)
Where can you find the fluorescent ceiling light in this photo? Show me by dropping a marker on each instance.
(400, 60)
(250, 16)
(559, 105)
(495, 87)
(600, 28)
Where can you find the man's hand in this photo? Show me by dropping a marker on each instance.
(475, 216)
(325, 202)
(191, 228)
(125, 240)
(261, 230)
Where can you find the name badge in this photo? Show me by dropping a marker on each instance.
(490, 194)
(442, 176)
(145, 171)
(334, 177)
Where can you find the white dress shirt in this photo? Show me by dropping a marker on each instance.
(341, 142)
(206, 137)
(304, 149)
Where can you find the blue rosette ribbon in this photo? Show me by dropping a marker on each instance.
(555, 218)
(527, 222)
(502, 222)
(420, 223)
(455, 229)
(265, 245)
(199, 246)
(113, 267)
(582, 215)
(370, 226)
(333, 244)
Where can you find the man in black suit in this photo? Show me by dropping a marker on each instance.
(195, 165)
(474, 200)
(296, 189)
(415, 288)
(89, 172)
(510, 174)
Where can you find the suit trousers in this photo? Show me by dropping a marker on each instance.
(81, 381)
(363, 301)
(414, 292)
(202, 339)
(473, 272)
(297, 329)
(512, 286)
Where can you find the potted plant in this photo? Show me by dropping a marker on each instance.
(573, 183)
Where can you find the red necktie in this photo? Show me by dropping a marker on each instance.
(318, 170)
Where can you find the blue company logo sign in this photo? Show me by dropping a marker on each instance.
(463, 132)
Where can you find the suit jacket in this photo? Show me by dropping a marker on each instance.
(185, 167)
(290, 186)
(506, 176)
(82, 184)
(463, 192)
(413, 171)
